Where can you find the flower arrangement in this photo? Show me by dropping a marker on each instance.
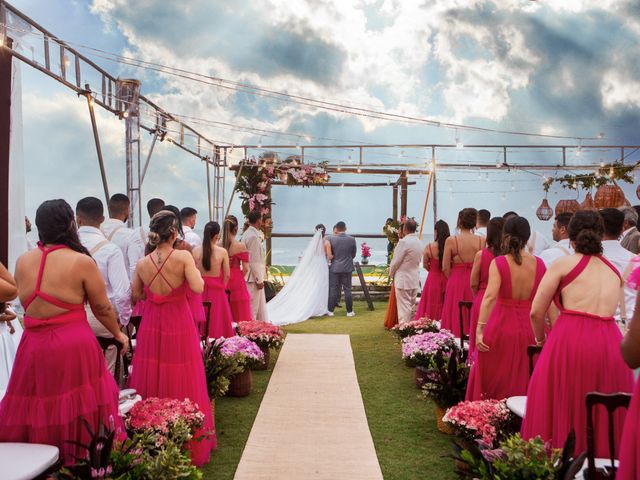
(421, 350)
(246, 353)
(415, 327)
(485, 421)
(392, 231)
(365, 250)
(262, 334)
(446, 379)
(219, 369)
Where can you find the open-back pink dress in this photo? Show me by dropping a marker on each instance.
(430, 305)
(240, 298)
(220, 323)
(59, 377)
(503, 371)
(581, 355)
(458, 290)
(168, 359)
(485, 262)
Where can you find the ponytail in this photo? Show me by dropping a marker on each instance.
(211, 229)
(229, 231)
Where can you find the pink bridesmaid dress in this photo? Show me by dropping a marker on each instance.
(240, 298)
(485, 262)
(630, 444)
(430, 305)
(458, 290)
(59, 377)
(220, 322)
(168, 359)
(581, 355)
(503, 371)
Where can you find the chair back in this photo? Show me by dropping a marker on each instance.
(105, 343)
(611, 401)
(462, 306)
(532, 351)
(134, 321)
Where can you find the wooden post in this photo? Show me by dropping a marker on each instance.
(403, 194)
(395, 201)
(5, 148)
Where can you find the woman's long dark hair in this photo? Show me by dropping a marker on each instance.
(162, 227)
(57, 226)
(495, 229)
(442, 233)
(211, 229)
(516, 235)
(229, 230)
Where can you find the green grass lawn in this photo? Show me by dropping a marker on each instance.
(402, 424)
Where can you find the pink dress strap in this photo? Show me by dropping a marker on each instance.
(159, 270)
(505, 275)
(541, 269)
(430, 251)
(575, 272)
(45, 296)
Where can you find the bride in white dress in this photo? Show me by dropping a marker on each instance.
(306, 293)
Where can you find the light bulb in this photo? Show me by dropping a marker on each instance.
(578, 151)
(260, 143)
(359, 170)
(498, 164)
(479, 175)
(339, 169)
(125, 114)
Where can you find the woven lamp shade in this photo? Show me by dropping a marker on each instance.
(571, 206)
(544, 211)
(609, 196)
(638, 191)
(588, 203)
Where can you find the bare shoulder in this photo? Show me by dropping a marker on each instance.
(197, 252)
(449, 241)
(242, 247)
(183, 255)
(564, 265)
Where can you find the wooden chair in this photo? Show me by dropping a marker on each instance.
(134, 322)
(204, 333)
(105, 343)
(462, 305)
(532, 351)
(598, 469)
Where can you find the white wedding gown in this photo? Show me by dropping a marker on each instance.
(306, 293)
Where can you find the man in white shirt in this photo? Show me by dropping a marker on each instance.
(130, 242)
(537, 243)
(481, 224)
(560, 233)
(110, 261)
(405, 271)
(188, 218)
(630, 236)
(252, 238)
(621, 258)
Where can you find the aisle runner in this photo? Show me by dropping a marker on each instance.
(311, 423)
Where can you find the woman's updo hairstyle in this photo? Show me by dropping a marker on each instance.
(585, 230)
(322, 228)
(229, 230)
(517, 232)
(467, 218)
(163, 226)
(56, 225)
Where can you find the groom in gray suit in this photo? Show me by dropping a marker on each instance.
(343, 249)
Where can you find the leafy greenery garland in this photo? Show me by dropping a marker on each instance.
(616, 171)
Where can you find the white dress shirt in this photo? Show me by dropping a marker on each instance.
(481, 231)
(191, 237)
(559, 250)
(130, 242)
(537, 243)
(621, 258)
(111, 264)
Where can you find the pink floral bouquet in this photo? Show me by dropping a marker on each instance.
(421, 350)
(245, 351)
(415, 327)
(484, 421)
(262, 334)
(365, 250)
(165, 418)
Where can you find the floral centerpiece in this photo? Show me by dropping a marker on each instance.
(421, 350)
(247, 355)
(484, 421)
(263, 334)
(219, 369)
(415, 327)
(365, 253)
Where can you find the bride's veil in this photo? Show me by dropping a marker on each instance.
(314, 248)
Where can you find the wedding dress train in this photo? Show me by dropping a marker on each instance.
(306, 294)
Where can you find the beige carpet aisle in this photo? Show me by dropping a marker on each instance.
(311, 423)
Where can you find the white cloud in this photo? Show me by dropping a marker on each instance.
(619, 91)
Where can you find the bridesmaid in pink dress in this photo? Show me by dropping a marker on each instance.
(240, 298)
(213, 263)
(480, 275)
(60, 375)
(582, 353)
(630, 445)
(168, 359)
(501, 367)
(430, 305)
(459, 252)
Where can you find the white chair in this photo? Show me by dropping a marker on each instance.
(25, 461)
(518, 405)
(128, 398)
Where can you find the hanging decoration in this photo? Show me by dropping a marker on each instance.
(571, 206)
(544, 211)
(255, 177)
(606, 174)
(638, 192)
(609, 196)
(588, 203)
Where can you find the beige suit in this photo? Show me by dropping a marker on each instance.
(405, 272)
(257, 272)
(630, 240)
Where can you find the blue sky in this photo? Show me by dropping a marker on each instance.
(555, 67)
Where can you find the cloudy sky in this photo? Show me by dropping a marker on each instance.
(552, 67)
